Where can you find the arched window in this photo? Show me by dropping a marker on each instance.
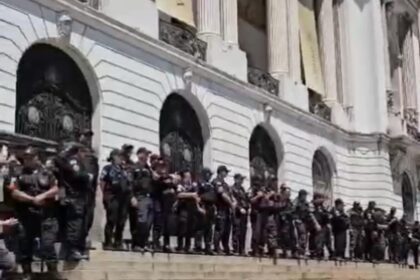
(407, 197)
(181, 140)
(322, 174)
(262, 154)
(53, 99)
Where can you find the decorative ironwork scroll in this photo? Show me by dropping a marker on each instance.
(182, 39)
(263, 80)
(262, 154)
(53, 100)
(320, 109)
(180, 134)
(411, 118)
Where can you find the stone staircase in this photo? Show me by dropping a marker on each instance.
(132, 266)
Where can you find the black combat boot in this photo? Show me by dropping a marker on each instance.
(26, 271)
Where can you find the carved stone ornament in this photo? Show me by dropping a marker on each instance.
(411, 118)
(263, 80)
(183, 39)
(64, 26)
(320, 109)
(396, 157)
(390, 100)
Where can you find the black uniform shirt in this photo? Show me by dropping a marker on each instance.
(116, 179)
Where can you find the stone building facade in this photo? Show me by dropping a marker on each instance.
(323, 93)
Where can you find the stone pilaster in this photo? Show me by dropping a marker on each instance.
(277, 39)
(230, 21)
(208, 18)
(408, 70)
(327, 47)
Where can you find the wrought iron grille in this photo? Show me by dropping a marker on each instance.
(318, 107)
(263, 80)
(180, 135)
(263, 159)
(53, 99)
(182, 39)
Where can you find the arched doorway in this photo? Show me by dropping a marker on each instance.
(53, 100)
(407, 197)
(322, 175)
(181, 140)
(262, 154)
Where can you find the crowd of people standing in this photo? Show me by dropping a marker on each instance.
(54, 200)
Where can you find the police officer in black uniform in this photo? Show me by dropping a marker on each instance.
(187, 211)
(285, 223)
(240, 217)
(340, 223)
(370, 227)
(393, 235)
(143, 204)
(91, 164)
(356, 231)
(75, 182)
(255, 194)
(116, 197)
(225, 203)
(301, 219)
(208, 197)
(318, 226)
(35, 190)
(128, 165)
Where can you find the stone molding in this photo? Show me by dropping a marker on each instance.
(137, 39)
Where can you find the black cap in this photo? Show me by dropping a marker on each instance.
(222, 168)
(338, 201)
(113, 153)
(206, 171)
(238, 176)
(87, 132)
(30, 151)
(127, 147)
(303, 192)
(143, 150)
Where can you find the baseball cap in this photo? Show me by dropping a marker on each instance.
(222, 168)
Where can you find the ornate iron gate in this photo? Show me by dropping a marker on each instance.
(180, 135)
(262, 154)
(53, 99)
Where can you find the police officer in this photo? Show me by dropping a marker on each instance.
(75, 182)
(128, 165)
(116, 197)
(340, 223)
(357, 232)
(267, 217)
(285, 224)
(317, 226)
(208, 197)
(240, 218)
(300, 220)
(187, 195)
(224, 204)
(370, 226)
(35, 190)
(255, 195)
(164, 196)
(415, 242)
(91, 164)
(393, 236)
(143, 204)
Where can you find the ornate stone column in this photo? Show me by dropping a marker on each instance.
(277, 39)
(294, 40)
(208, 18)
(230, 21)
(408, 69)
(327, 47)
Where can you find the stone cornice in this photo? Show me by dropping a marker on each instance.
(83, 13)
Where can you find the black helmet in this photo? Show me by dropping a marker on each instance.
(113, 153)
